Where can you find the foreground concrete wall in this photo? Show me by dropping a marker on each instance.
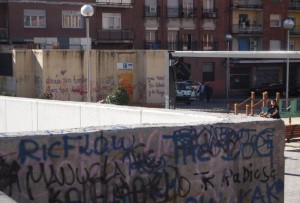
(216, 162)
(63, 74)
(136, 154)
(22, 114)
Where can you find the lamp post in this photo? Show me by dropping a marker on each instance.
(228, 39)
(87, 11)
(287, 24)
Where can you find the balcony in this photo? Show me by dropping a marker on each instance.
(295, 30)
(251, 29)
(210, 46)
(188, 13)
(209, 13)
(3, 33)
(191, 46)
(152, 45)
(152, 11)
(173, 12)
(115, 3)
(294, 5)
(247, 4)
(172, 45)
(115, 35)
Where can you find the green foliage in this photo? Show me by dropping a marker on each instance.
(118, 96)
(7, 94)
(46, 96)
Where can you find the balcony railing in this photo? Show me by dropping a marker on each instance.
(175, 12)
(115, 2)
(210, 46)
(172, 45)
(295, 30)
(252, 4)
(251, 29)
(152, 11)
(152, 45)
(209, 13)
(115, 35)
(188, 13)
(3, 33)
(294, 5)
(191, 46)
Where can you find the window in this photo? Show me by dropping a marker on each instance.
(292, 45)
(34, 18)
(6, 64)
(173, 40)
(72, 19)
(275, 45)
(151, 40)
(188, 42)
(114, 1)
(111, 21)
(151, 35)
(208, 4)
(275, 20)
(208, 72)
(188, 8)
(208, 42)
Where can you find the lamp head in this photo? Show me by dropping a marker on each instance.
(288, 24)
(228, 37)
(87, 10)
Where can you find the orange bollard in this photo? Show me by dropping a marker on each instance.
(252, 103)
(235, 109)
(247, 109)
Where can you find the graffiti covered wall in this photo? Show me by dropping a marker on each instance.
(241, 162)
(62, 74)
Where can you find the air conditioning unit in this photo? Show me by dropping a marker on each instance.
(253, 49)
(152, 9)
(253, 45)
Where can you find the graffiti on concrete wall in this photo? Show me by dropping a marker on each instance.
(156, 86)
(140, 88)
(193, 164)
(65, 87)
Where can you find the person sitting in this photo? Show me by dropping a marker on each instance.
(272, 112)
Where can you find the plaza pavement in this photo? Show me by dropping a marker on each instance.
(292, 167)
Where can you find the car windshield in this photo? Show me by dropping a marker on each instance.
(183, 86)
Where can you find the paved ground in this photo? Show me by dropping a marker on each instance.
(292, 172)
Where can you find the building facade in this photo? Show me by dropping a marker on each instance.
(189, 25)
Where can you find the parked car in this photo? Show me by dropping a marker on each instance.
(271, 88)
(184, 92)
(194, 83)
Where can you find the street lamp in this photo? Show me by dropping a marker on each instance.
(287, 24)
(87, 11)
(228, 39)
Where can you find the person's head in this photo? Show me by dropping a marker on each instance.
(273, 103)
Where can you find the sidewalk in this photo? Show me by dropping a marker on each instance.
(294, 121)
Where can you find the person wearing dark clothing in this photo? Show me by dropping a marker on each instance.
(208, 92)
(201, 92)
(272, 112)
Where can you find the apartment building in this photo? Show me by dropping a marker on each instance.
(193, 25)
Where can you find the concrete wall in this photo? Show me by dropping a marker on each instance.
(63, 74)
(199, 162)
(136, 154)
(23, 114)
